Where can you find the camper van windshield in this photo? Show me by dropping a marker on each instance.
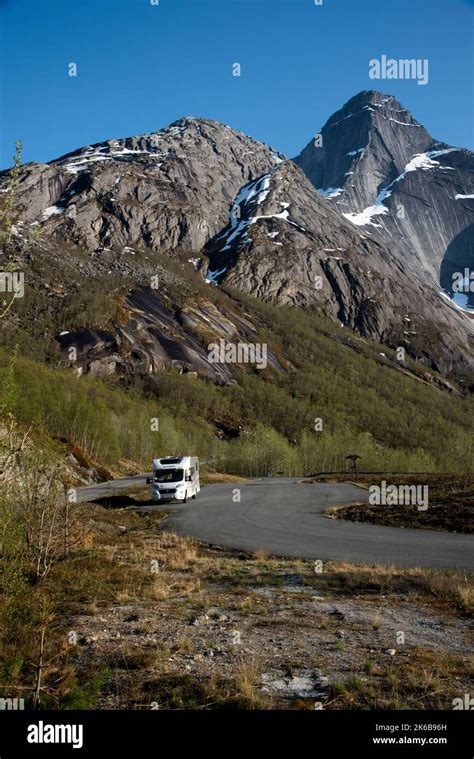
(169, 475)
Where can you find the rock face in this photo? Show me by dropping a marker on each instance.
(167, 190)
(242, 213)
(365, 146)
(383, 172)
(286, 244)
(158, 335)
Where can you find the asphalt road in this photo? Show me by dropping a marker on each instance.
(93, 492)
(284, 518)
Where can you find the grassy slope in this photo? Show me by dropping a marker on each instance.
(367, 405)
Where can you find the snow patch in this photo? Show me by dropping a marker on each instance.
(403, 123)
(81, 162)
(460, 300)
(366, 216)
(259, 188)
(212, 276)
(421, 161)
(52, 211)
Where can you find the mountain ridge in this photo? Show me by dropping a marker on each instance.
(246, 215)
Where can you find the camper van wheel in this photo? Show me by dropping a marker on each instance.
(185, 499)
(194, 496)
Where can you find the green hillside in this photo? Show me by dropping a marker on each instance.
(265, 422)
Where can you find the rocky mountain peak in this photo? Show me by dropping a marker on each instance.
(164, 190)
(376, 103)
(384, 172)
(362, 148)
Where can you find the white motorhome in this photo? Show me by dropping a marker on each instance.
(175, 478)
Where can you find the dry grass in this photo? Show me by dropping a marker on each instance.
(169, 580)
(213, 478)
(451, 503)
(248, 685)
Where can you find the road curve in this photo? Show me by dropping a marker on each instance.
(284, 517)
(103, 489)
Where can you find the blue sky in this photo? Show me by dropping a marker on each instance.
(142, 66)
